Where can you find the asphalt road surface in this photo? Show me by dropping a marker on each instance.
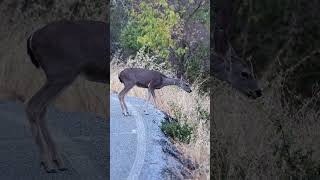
(136, 144)
(135, 141)
(81, 137)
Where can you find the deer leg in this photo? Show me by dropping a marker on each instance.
(121, 103)
(124, 103)
(146, 103)
(33, 112)
(122, 94)
(51, 95)
(154, 98)
(35, 109)
(52, 146)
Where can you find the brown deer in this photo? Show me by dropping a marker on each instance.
(224, 63)
(64, 50)
(235, 72)
(149, 79)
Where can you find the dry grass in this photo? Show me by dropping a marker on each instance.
(199, 147)
(263, 139)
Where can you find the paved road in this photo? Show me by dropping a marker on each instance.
(80, 136)
(135, 142)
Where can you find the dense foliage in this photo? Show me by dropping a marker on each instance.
(175, 32)
(151, 27)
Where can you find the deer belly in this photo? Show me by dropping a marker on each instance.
(141, 85)
(96, 76)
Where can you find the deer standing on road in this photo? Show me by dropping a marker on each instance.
(149, 79)
(64, 50)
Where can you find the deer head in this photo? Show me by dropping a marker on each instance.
(185, 85)
(236, 73)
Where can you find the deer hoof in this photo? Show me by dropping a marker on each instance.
(51, 170)
(60, 164)
(63, 168)
(48, 167)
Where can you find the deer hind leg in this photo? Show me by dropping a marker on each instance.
(154, 98)
(122, 94)
(147, 102)
(56, 157)
(35, 110)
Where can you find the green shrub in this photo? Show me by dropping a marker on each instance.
(152, 62)
(203, 15)
(177, 131)
(202, 113)
(195, 67)
(151, 25)
(177, 111)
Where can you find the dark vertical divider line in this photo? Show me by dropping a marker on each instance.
(108, 92)
(212, 21)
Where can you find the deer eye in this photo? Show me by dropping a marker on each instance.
(245, 75)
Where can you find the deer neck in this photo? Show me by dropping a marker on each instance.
(170, 81)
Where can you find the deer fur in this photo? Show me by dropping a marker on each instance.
(149, 79)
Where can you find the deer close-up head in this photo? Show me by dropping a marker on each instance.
(185, 86)
(237, 74)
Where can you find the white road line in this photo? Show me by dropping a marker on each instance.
(141, 144)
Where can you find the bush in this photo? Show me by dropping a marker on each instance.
(151, 25)
(202, 113)
(177, 131)
(143, 60)
(197, 67)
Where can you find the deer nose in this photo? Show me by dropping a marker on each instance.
(258, 93)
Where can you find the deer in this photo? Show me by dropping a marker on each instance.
(63, 50)
(236, 73)
(225, 64)
(149, 79)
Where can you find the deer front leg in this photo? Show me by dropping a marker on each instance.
(123, 106)
(122, 94)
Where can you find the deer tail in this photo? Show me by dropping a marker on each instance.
(31, 53)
